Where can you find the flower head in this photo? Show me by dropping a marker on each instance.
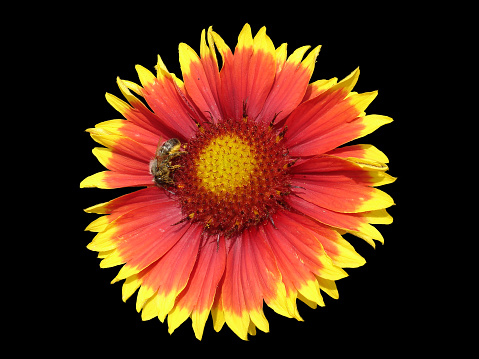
(246, 191)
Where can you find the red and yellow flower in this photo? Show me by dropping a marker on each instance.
(260, 196)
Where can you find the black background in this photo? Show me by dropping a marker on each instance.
(380, 304)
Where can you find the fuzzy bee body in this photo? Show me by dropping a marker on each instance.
(161, 167)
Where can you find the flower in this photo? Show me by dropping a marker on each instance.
(247, 194)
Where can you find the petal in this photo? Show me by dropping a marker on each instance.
(168, 102)
(342, 253)
(197, 298)
(141, 115)
(318, 87)
(226, 91)
(129, 202)
(368, 152)
(98, 225)
(130, 285)
(300, 256)
(110, 179)
(329, 287)
(201, 78)
(96, 180)
(136, 228)
(168, 276)
(121, 205)
(324, 113)
(118, 162)
(281, 57)
(144, 235)
(246, 77)
(217, 312)
(210, 64)
(290, 85)
(128, 129)
(261, 73)
(354, 223)
(241, 61)
(251, 276)
(138, 113)
(233, 74)
(122, 144)
(338, 185)
(348, 131)
(350, 170)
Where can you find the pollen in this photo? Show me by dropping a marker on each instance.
(234, 175)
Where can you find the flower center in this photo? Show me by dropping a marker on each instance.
(233, 176)
(225, 164)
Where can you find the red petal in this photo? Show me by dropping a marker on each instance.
(328, 141)
(246, 76)
(356, 151)
(347, 221)
(120, 180)
(200, 291)
(318, 87)
(201, 79)
(132, 201)
(261, 73)
(118, 162)
(234, 74)
(145, 234)
(326, 121)
(289, 87)
(339, 250)
(169, 104)
(344, 198)
(139, 114)
(124, 145)
(333, 183)
(251, 276)
(169, 275)
(143, 136)
(296, 250)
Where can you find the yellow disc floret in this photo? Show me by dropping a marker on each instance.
(226, 164)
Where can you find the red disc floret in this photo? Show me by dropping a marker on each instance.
(234, 176)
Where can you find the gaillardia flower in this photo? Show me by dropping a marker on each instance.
(246, 191)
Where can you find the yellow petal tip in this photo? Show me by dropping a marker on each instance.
(146, 77)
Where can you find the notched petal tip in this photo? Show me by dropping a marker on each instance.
(245, 38)
(187, 57)
(100, 208)
(99, 224)
(348, 83)
(310, 60)
(297, 55)
(95, 180)
(146, 76)
(119, 105)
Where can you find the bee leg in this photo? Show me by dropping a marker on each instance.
(166, 189)
(176, 154)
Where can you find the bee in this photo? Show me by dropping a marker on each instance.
(160, 166)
